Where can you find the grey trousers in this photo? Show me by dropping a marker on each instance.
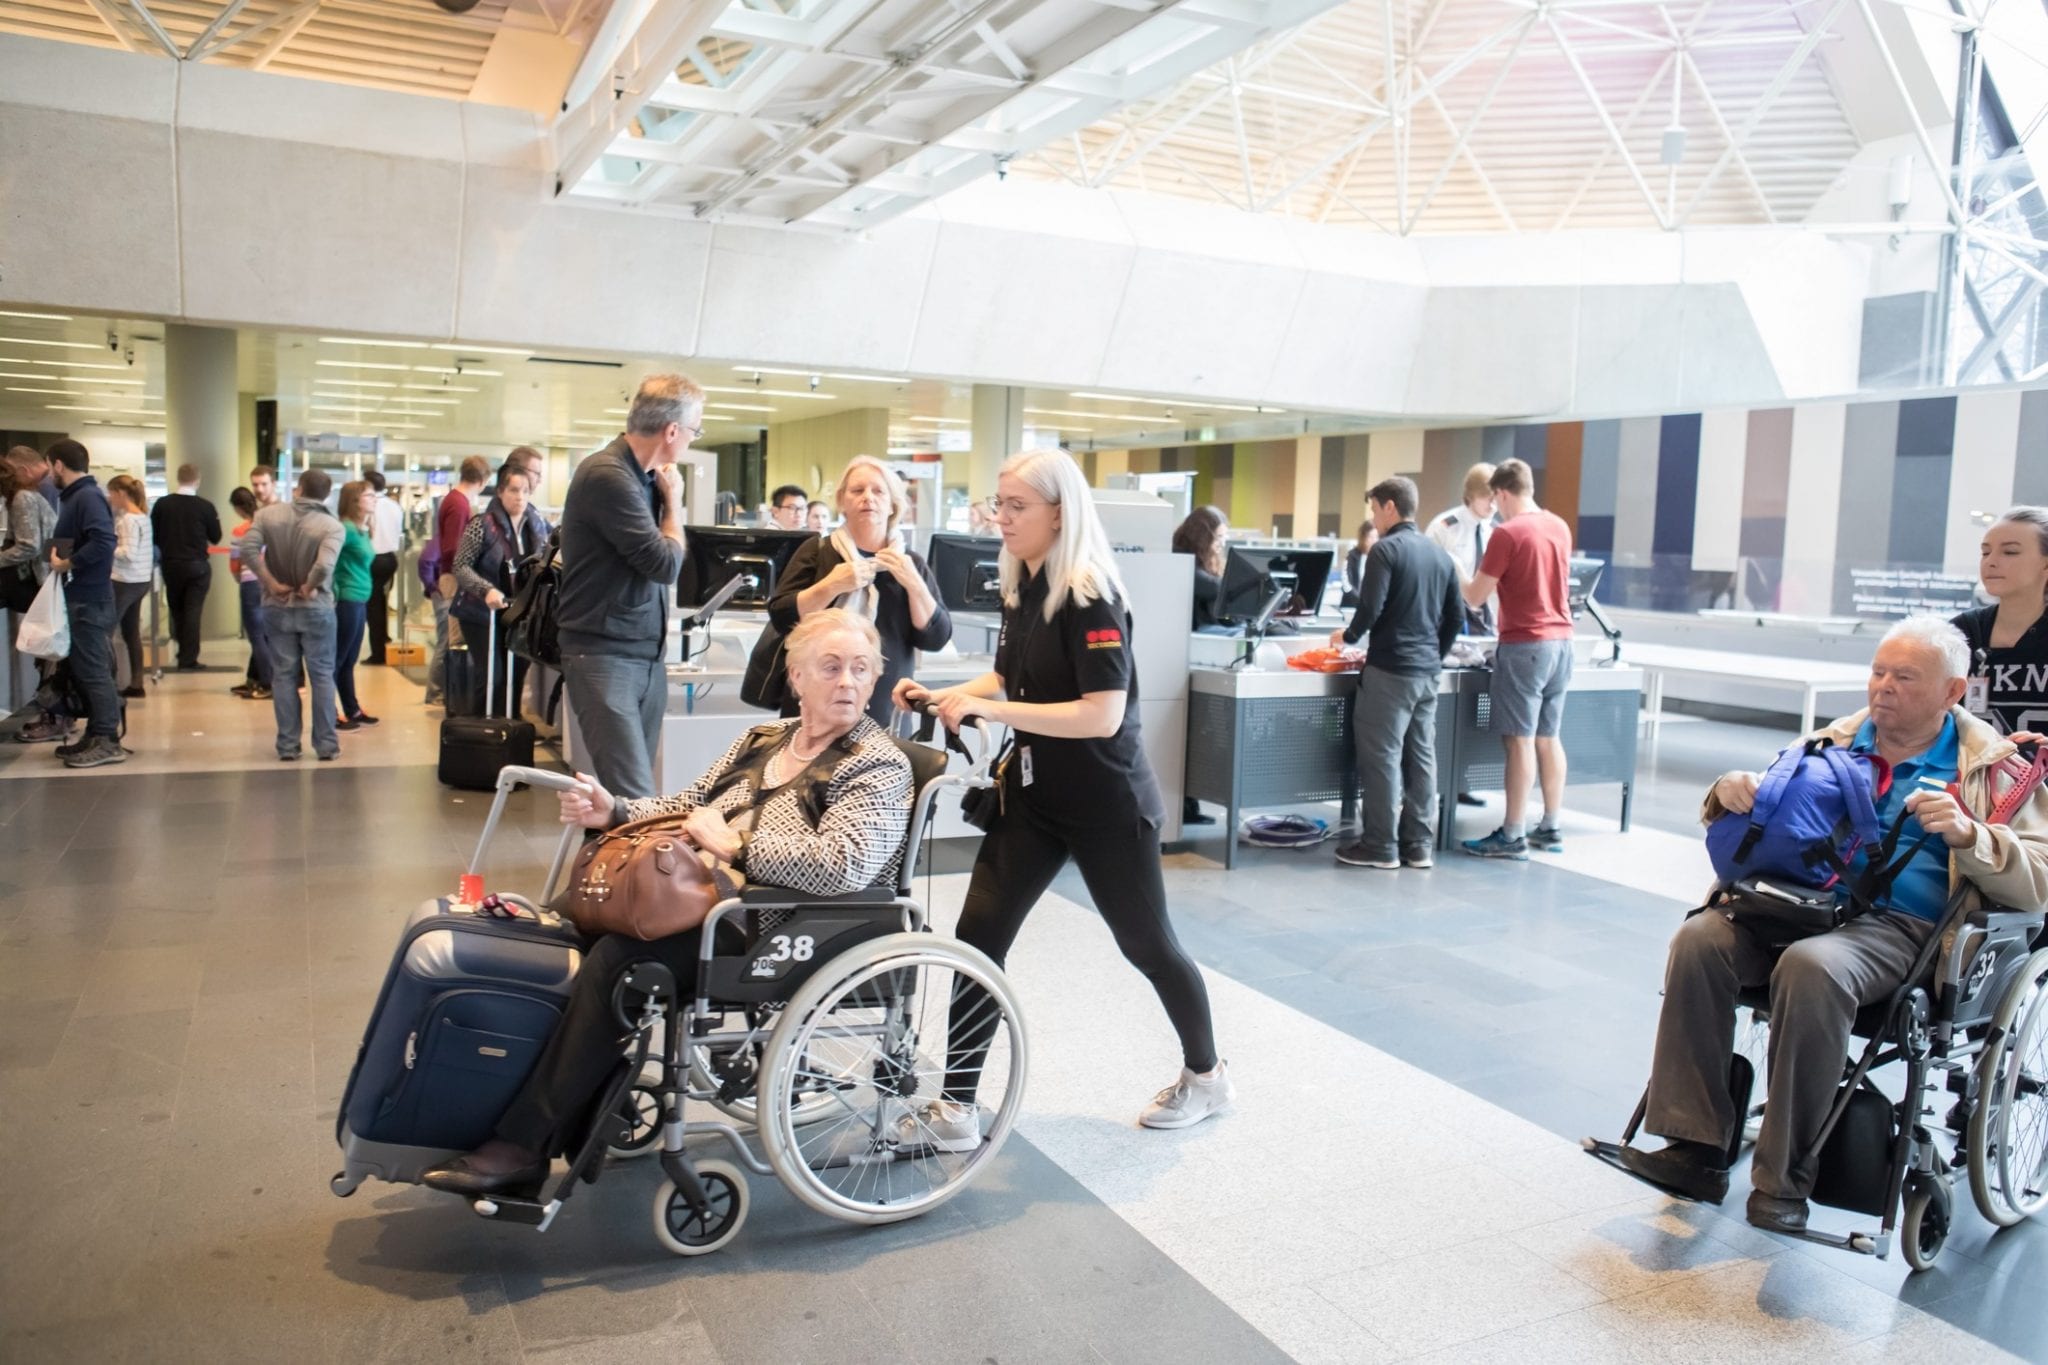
(1394, 727)
(1817, 985)
(619, 705)
(437, 666)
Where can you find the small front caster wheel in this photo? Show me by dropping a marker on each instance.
(1924, 1230)
(683, 1230)
(636, 1128)
(343, 1184)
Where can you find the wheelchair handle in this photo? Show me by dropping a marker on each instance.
(978, 755)
(509, 777)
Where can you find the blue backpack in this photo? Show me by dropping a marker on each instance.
(1815, 811)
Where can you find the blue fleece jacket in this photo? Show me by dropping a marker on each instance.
(86, 521)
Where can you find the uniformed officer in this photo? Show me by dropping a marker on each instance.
(1075, 784)
(1463, 532)
(2009, 640)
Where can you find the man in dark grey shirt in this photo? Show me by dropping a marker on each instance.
(1409, 614)
(622, 548)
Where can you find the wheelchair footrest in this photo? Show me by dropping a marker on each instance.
(1610, 1152)
(511, 1208)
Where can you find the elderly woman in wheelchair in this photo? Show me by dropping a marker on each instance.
(1936, 973)
(809, 986)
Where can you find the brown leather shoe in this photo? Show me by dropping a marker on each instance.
(1776, 1215)
(458, 1176)
(1680, 1168)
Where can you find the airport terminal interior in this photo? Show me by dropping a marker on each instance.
(1704, 343)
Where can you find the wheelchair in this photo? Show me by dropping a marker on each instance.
(817, 1024)
(1970, 1029)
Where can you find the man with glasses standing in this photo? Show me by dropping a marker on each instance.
(622, 546)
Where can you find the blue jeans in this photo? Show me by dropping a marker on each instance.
(302, 634)
(252, 628)
(92, 664)
(349, 620)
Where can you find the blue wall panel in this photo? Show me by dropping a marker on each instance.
(1678, 472)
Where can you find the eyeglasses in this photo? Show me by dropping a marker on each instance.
(691, 433)
(999, 506)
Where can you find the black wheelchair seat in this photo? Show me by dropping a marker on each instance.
(1871, 1021)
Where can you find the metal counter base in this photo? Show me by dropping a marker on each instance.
(1259, 740)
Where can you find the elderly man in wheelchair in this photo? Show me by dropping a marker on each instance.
(804, 1006)
(1936, 972)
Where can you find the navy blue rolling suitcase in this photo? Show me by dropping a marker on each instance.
(466, 1007)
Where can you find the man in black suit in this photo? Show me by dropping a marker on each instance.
(185, 527)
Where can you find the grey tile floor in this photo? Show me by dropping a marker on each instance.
(188, 959)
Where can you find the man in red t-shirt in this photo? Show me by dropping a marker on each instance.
(1528, 562)
(457, 505)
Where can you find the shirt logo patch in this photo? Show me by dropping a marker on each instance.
(1105, 639)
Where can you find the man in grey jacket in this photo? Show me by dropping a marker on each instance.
(622, 548)
(292, 547)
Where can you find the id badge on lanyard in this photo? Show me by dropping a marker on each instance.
(1977, 695)
(1024, 766)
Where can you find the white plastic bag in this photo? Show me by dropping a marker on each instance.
(46, 626)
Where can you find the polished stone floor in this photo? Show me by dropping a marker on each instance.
(190, 953)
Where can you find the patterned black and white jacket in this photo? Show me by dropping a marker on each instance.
(837, 829)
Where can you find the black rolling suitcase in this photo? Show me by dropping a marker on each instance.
(467, 1006)
(474, 748)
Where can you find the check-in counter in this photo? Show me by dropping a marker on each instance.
(1264, 738)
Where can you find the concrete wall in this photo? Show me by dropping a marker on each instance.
(263, 200)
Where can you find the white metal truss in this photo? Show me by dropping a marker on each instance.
(844, 113)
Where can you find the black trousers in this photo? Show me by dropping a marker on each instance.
(383, 570)
(554, 1107)
(1017, 863)
(185, 588)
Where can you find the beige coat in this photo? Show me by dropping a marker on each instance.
(2008, 863)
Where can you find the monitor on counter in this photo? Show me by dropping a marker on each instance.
(714, 554)
(1252, 575)
(1582, 579)
(965, 567)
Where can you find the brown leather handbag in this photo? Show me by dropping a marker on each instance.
(645, 880)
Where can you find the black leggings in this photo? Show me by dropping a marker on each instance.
(1018, 861)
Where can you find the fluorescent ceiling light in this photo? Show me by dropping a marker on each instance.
(358, 365)
(401, 401)
(1098, 416)
(870, 378)
(481, 350)
(78, 364)
(71, 407)
(86, 379)
(737, 407)
(39, 317)
(64, 393)
(449, 369)
(950, 421)
(615, 412)
(1190, 404)
(68, 345)
(368, 341)
(771, 393)
(444, 388)
(606, 423)
(824, 374)
(357, 383)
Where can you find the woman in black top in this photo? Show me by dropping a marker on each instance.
(2009, 639)
(1076, 785)
(1205, 535)
(865, 568)
(1354, 564)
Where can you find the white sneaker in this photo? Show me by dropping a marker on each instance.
(941, 1127)
(1190, 1099)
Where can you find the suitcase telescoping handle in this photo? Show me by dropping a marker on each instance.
(508, 778)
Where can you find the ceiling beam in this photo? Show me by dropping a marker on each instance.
(583, 131)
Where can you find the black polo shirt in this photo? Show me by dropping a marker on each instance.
(1078, 786)
(1409, 608)
(2008, 687)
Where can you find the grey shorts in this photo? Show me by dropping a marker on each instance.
(1529, 682)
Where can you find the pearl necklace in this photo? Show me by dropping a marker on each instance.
(778, 762)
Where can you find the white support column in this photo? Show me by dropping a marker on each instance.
(1308, 483)
(1813, 502)
(1717, 497)
(202, 426)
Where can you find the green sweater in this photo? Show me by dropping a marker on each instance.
(352, 567)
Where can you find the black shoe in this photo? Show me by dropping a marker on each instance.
(192, 667)
(1191, 813)
(330, 757)
(458, 1177)
(135, 691)
(1776, 1215)
(345, 723)
(288, 758)
(1692, 1169)
(1468, 799)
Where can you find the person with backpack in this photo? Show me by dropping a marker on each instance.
(1943, 773)
(493, 554)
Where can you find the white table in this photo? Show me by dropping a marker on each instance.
(1808, 677)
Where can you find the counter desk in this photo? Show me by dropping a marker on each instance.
(1261, 739)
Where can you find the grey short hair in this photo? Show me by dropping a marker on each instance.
(802, 642)
(660, 400)
(1935, 633)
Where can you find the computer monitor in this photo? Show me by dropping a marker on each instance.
(714, 554)
(965, 567)
(1251, 575)
(1582, 577)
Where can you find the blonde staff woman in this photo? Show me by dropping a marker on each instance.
(865, 568)
(1077, 785)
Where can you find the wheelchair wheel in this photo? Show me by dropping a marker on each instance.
(636, 1127)
(709, 1071)
(1924, 1229)
(1753, 1041)
(870, 1030)
(682, 1230)
(2006, 1147)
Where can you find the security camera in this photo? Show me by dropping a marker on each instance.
(113, 340)
(129, 355)
(1003, 167)
(814, 382)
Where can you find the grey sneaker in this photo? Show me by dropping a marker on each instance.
(941, 1127)
(1546, 839)
(97, 753)
(1189, 1100)
(1498, 845)
(1420, 858)
(1358, 855)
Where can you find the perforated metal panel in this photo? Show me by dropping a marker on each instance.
(1599, 734)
